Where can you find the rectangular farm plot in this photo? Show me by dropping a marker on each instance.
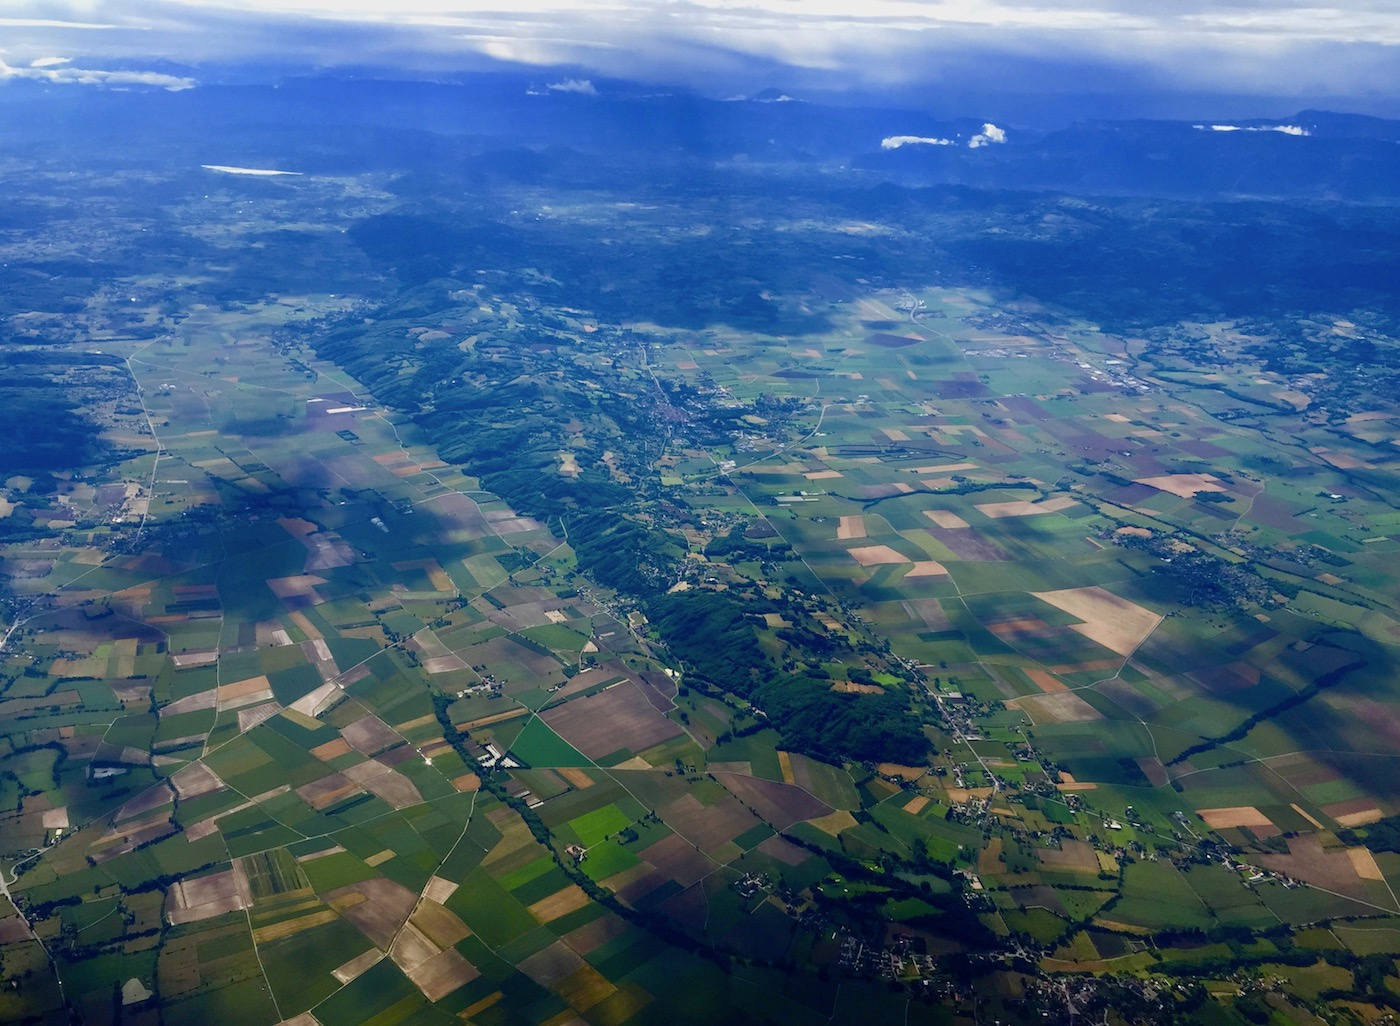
(851, 527)
(615, 718)
(1115, 623)
(1024, 507)
(877, 555)
(1183, 485)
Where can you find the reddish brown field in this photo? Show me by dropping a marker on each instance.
(369, 735)
(781, 804)
(376, 907)
(678, 859)
(1308, 861)
(551, 965)
(618, 717)
(708, 826)
(394, 788)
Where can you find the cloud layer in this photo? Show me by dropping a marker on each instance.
(61, 71)
(1239, 47)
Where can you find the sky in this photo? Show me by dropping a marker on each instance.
(1345, 56)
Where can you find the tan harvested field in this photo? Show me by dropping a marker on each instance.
(915, 805)
(327, 791)
(823, 475)
(411, 949)
(1115, 623)
(1024, 507)
(851, 527)
(877, 555)
(377, 907)
(392, 786)
(1355, 813)
(304, 625)
(1353, 819)
(297, 527)
(244, 688)
(292, 927)
(850, 687)
(467, 782)
(331, 750)
(927, 568)
(1365, 864)
(439, 890)
(1236, 816)
(441, 974)
(946, 468)
(1062, 707)
(834, 822)
(1183, 485)
(1045, 681)
(485, 721)
(302, 586)
(945, 518)
(357, 965)
(380, 857)
(617, 717)
(781, 804)
(559, 904)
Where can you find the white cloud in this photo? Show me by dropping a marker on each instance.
(581, 86)
(66, 74)
(1296, 130)
(50, 62)
(894, 142)
(990, 134)
(260, 172)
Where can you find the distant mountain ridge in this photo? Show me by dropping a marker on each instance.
(510, 125)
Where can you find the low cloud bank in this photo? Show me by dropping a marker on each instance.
(1295, 130)
(582, 86)
(894, 142)
(60, 71)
